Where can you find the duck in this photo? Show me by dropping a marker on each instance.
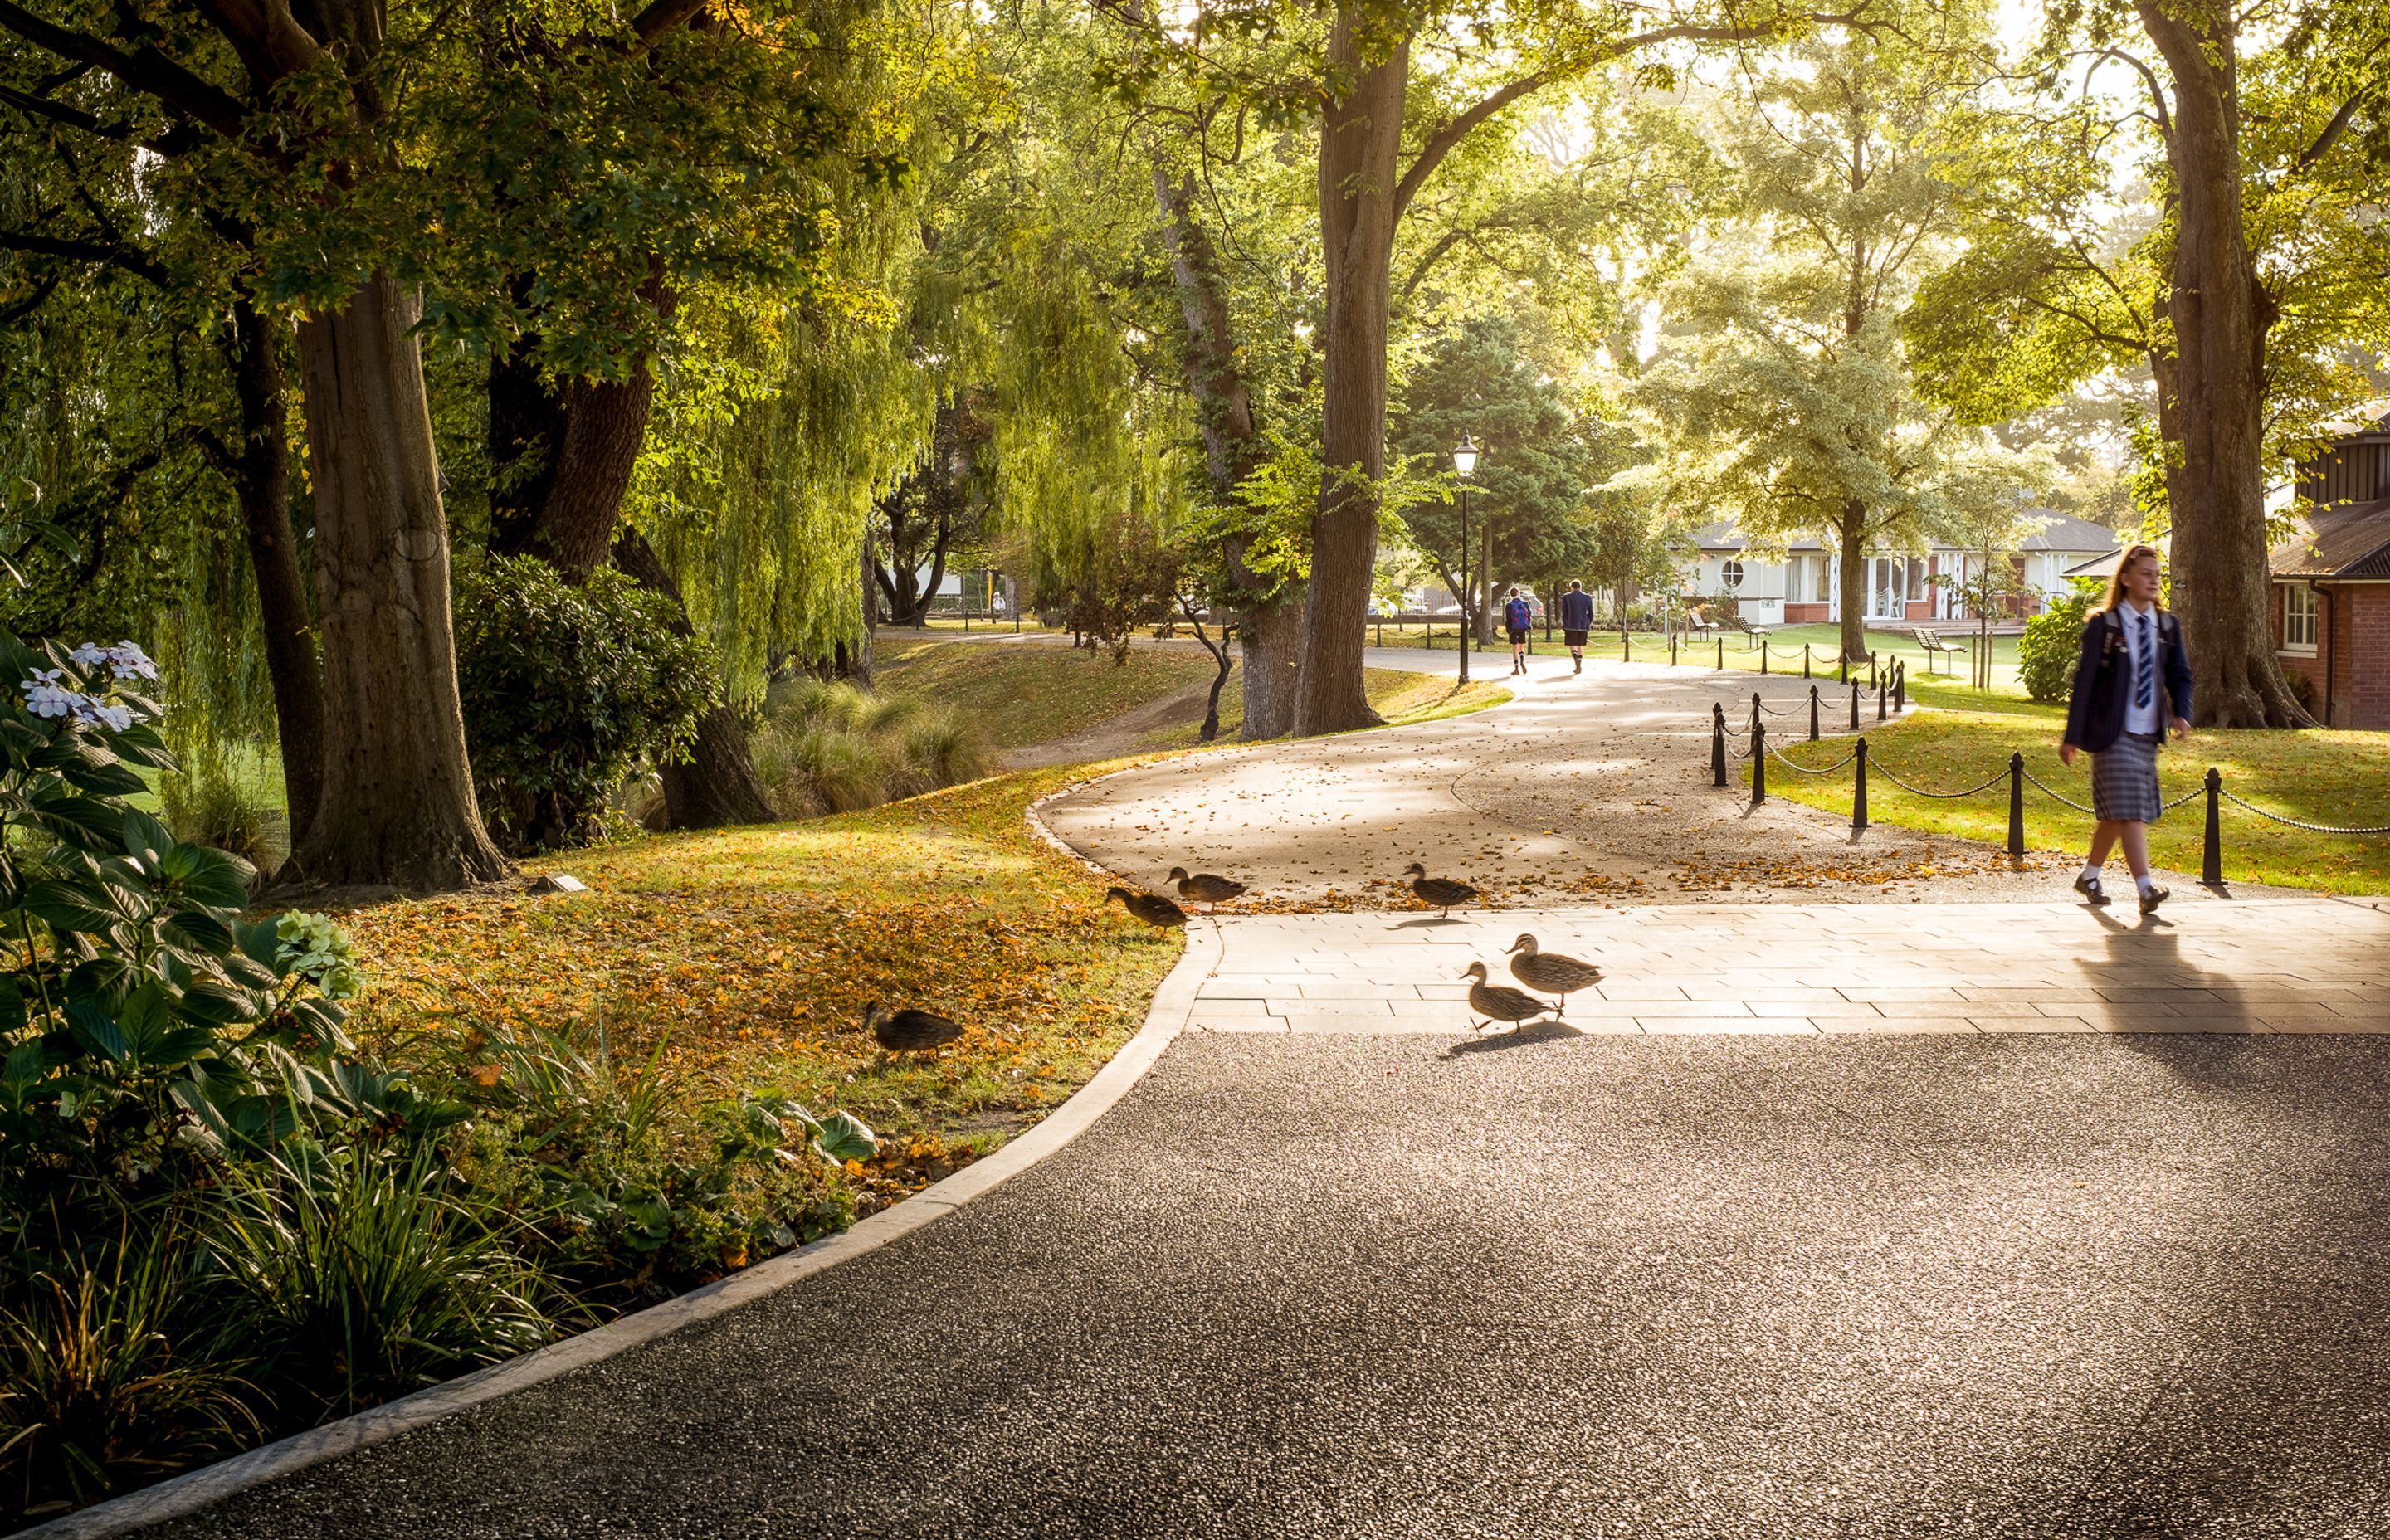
(1440, 891)
(910, 1031)
(1205, 888)
(1153, 908)
(1551, 971)
(1499, 1002)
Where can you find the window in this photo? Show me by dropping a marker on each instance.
(2298, 618)
(1801, 578)
(1731, 573)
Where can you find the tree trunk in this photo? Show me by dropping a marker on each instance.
(1359, 152)
(1269, 629)
(1268, 636)
(1853, 535)
(2215, 488)
(717, 784)
(605, 423)
(397, 802)
(261, 479)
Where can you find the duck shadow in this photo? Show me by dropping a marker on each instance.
(1523, 1037)
(1424, 920)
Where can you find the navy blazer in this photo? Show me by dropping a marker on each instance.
(1577, 611)
(2103, 681)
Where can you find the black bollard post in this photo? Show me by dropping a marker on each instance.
(1754, 711)
(1900, 685)
(1855, 705)
(1805, 659)
(1718, 744)
(1813, 713)
(1721, 652)
(2017, 806)
(1879, 705)
(2211, 859)
(1381, 630)
(1625, 648)
(1844, 659)
(1758, 763)
(1762, 657)
(1858, 792)
(1672, 650)
(1871, 670)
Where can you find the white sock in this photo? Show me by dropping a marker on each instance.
(2143, 883)
(2091, 870)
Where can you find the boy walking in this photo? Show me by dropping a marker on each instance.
(2131, 684)
(1517, 616)
(1576, 619)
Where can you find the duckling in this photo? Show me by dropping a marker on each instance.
(1153, 908)
(1442, 891)
(910, 1031)
(1550, 972)
(1205, 888)
(1499, 1002)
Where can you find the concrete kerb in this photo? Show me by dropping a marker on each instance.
(1167, 1017)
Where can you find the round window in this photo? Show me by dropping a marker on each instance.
(1732, 574)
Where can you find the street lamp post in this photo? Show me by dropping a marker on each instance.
(1464, 465)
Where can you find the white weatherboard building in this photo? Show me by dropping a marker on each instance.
(1803, 585)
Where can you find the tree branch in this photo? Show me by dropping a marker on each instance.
(125, 258)
(145, 69)
(2332, 132)
(662, 16)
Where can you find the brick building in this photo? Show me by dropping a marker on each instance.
(2332, 584)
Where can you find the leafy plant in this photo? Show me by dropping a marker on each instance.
(366, 1281)
(108, 1376)
(2051, 643)
(567, 691)
(209, 808)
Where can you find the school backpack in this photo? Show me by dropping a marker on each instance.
(1519, 614)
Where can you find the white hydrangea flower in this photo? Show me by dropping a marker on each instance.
(126, 661)
(45, 697)
(87, 654)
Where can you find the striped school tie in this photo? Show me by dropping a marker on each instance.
(2145, 683)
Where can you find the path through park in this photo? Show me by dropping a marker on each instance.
(1959, 1211)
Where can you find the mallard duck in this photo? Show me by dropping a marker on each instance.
(910, 1031)
(1499, 1002)
(1153, 908)
(1442, 891)
(1550, 972)
(1205, 888)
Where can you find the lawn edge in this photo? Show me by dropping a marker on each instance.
(194, 1491)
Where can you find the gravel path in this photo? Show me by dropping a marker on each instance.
(1592, 787)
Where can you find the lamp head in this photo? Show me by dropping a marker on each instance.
(1464, 458)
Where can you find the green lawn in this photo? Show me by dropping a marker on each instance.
(2334, 777)
(1033, 693)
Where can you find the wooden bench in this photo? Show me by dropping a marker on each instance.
(1937, 647)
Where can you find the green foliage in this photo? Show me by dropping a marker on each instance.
(210, 808)
(2051, 643)
(828, 746)
(566, 691)
(361, 1279)
(112, 1370)
(617, 1180)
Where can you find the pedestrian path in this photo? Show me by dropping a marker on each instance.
(1589, 787)
(2263, 966)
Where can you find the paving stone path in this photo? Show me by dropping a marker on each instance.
(1992, 1217)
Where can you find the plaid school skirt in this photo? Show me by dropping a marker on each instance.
(2125, 781)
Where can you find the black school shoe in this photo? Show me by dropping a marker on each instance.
(2088, 886)
(2151, 899)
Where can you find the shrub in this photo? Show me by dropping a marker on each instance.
(364, 1280)
(2051, 643)
(112, 1375)
(828, 746)
(566, 691)
(208, 808)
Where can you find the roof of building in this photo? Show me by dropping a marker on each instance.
(2059, 532)
(2350, 541)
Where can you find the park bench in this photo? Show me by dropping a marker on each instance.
(1937, 647)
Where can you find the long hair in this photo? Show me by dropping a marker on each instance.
(2117, 579)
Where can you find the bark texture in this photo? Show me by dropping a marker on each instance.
(1271, 624)
(1853, 556)
(717, 784)
(1359, 155)
(397, 802)
(2216, 378)
(260, 476)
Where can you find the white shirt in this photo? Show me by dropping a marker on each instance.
(2145, 647)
